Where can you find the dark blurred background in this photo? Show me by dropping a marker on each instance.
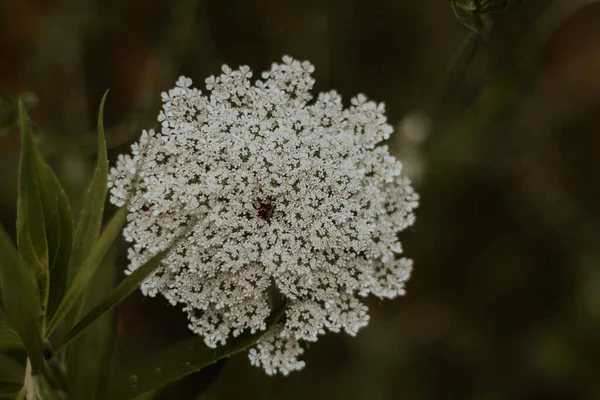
(500, 132)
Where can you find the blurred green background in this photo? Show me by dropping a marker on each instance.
(499, 131)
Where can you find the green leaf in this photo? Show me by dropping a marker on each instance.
(9, 116)
(31, 227)
(178, 361)
(10, 389)
(9, 339)
(89, 357)
(193, 385)
(11, 370)
(44, 222)
(123, 290)
(59, 232)
(90, 219)
(89, 267)
(19, 297)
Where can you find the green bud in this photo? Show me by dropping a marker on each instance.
(475, 14)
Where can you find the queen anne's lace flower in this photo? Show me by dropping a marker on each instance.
(293, 196)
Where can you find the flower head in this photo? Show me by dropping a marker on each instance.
(293, 195)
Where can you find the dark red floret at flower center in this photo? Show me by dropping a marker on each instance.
(265, 211)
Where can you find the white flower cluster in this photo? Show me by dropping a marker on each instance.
(293, 197)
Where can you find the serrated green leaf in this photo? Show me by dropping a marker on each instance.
(44, 222)
(90, 219)
(180, 360)
(123, 290)
(19, 297)
(9, 118)
(89, 267)
(59, 232)
(89, 357)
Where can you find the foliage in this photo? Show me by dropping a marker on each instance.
(47, 295)
(475, 13)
